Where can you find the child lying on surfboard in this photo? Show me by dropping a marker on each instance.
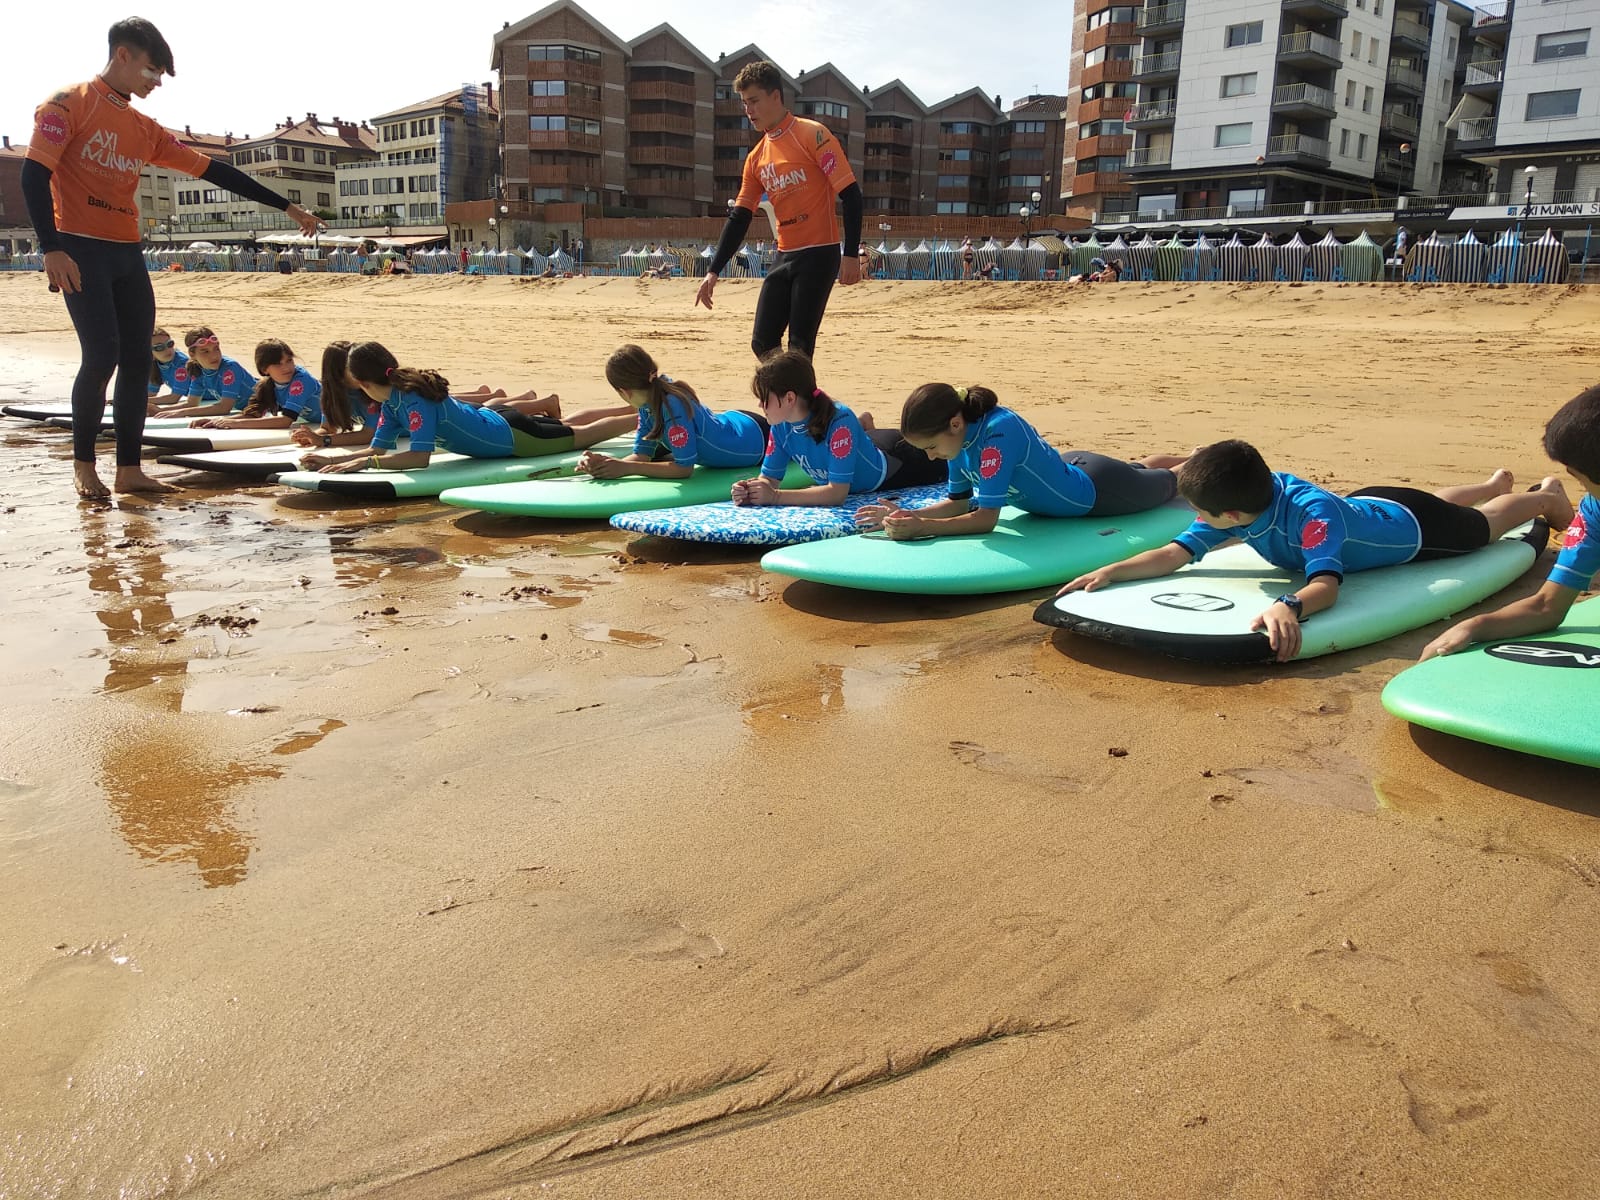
(1572, 438)
(1300, 527)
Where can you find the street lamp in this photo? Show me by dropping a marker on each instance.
(1528, 173)
(1037, 200)
(1026, 216)
(166, 229)
(1400, 173)
(495, 225)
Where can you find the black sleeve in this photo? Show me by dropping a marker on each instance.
(225, 175)
(41, 208)
(853, 204)
(732, 237)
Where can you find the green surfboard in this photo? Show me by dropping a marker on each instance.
(1538, 694)
(581, 497)
(1023, 551)
(444, 472)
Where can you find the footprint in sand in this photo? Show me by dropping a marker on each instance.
(995, 763)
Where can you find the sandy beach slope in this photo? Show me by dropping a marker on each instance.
(408, 852)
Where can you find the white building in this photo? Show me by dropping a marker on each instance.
(1252, 104)
(439, 151)
(1533, 99)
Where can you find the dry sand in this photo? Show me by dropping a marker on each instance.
(661, 877)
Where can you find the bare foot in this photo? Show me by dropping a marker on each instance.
(86, 480)
(1559, 512)
(133, 479)
(1170, 462)
(549, 406)
(868, 421)
(1501, 482)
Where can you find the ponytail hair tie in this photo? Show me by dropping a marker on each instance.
(388, 371)
(961, 395)
(816, 393)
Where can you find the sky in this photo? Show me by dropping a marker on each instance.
(243, 68)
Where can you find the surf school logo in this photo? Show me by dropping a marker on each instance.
(296, 388)
(773, 183)
(227, 379)
(1314, 534)
(828, 162)
(677, 437)
(841, 443)
(772, 443)
(989, 462)
(414, 423)
(53, 128)
(1568, 655)
(1192, 602)
(101, 149)
(181, 374)
(1576, 532)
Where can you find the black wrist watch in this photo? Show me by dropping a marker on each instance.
(326, 441)
(1292, 602)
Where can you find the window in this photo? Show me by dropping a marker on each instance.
(1247, 198)
(825, 108)
(547, 124)
(294, 195)
(323, 199)
(1366, 99)
(1027, 127)
(1239, 85)
(1349, 93)
(961, 127)
(559, 53)
(1355, 44)
(1548, 106)
(1574, 43)
(320, 157)
(1372, 52)
(1377, 11)
(298, 153)
(1361, 147)
(547, 87)
(1247, 34)
(1118, 15)
(1237, 134)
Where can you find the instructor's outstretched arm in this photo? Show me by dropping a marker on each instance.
(727, 245)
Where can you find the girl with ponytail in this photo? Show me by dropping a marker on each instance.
(418, 404)
(288, 394)
(841, 453)
(344, 405)
(996, 458)
(675, 431)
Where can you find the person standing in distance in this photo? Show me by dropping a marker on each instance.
(80, 182)
(801, 167)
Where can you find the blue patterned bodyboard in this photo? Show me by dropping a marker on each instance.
(779, 525)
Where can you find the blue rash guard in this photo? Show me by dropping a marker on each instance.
(174, 374)
(301, 397)
(1309, 530)
(444, 424)
(695, 434)
(844, 455)
(1579, 559)
(229, 381)
(1003, 460)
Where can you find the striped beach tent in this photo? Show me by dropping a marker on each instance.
(1140, 260)
(1202, 265)
(1327, 260)
(899, 257)
(1231, 259)
(946, 260)
(1427, 261)
(1502, 257)
(1292, 258)
(1469, 260)
(1544, 261)
(1261, 260)
(920, 260)
(1083, 253)
(1118, 249)
(1363, 260)
(1170, 257)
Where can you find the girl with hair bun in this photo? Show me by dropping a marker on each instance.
(287, 394)
(996, 458)
(841, 453)
(418, 403)
(676, 431)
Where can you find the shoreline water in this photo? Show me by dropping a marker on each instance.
(400, 851)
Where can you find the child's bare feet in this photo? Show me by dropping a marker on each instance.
(86, 481)
(1501, 482)
(133, 479)
(1559, 513)
(868, 421)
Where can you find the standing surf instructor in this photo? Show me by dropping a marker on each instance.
(801, 167)
(80, 182)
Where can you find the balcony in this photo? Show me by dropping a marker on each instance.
(681, 189)
(578, 72)
(1412, 33)
(576, 106)
(1156, 66)
(1309, 50)
(1111, 70)
(1147, 158)
(888, 135)
(661, 123)
(661, 156)
(1318, 10)
(1152, 112)
(1159, 18)
(1395, 168)
(1492, 20)
(1484, 74)
(545, 176)
(561, 139)
(1294, 147)
(1406, 79)
(1303, 100)
(1399, 122)
(681, 93)
(1476, 133)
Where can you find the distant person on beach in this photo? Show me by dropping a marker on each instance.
(968, 258)
(169, 367)
(676, 431)
(418, 403)
(80, 182)
(841, 453)
(1300, 527)
(218, 385)
(996, 458)
(1571, 438)
(288, 394)
(801, 167)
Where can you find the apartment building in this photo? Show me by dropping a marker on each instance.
(655, 125)
(1248, 104)
(1100, 93)
(439, 151)
(297, 160)
(1532, 98)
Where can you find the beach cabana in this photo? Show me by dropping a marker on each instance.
(1544, 261)
(1427, 261)
(1170, 259)
(1362, 260)
(1117, 249)
(1470, 260)
(1231, 259)
(920, 260)
(946, 260)
(1202, 265)
(1139, 259)
(1291, 260)
(1326, 260)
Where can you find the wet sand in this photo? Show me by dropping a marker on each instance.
(402, 851)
